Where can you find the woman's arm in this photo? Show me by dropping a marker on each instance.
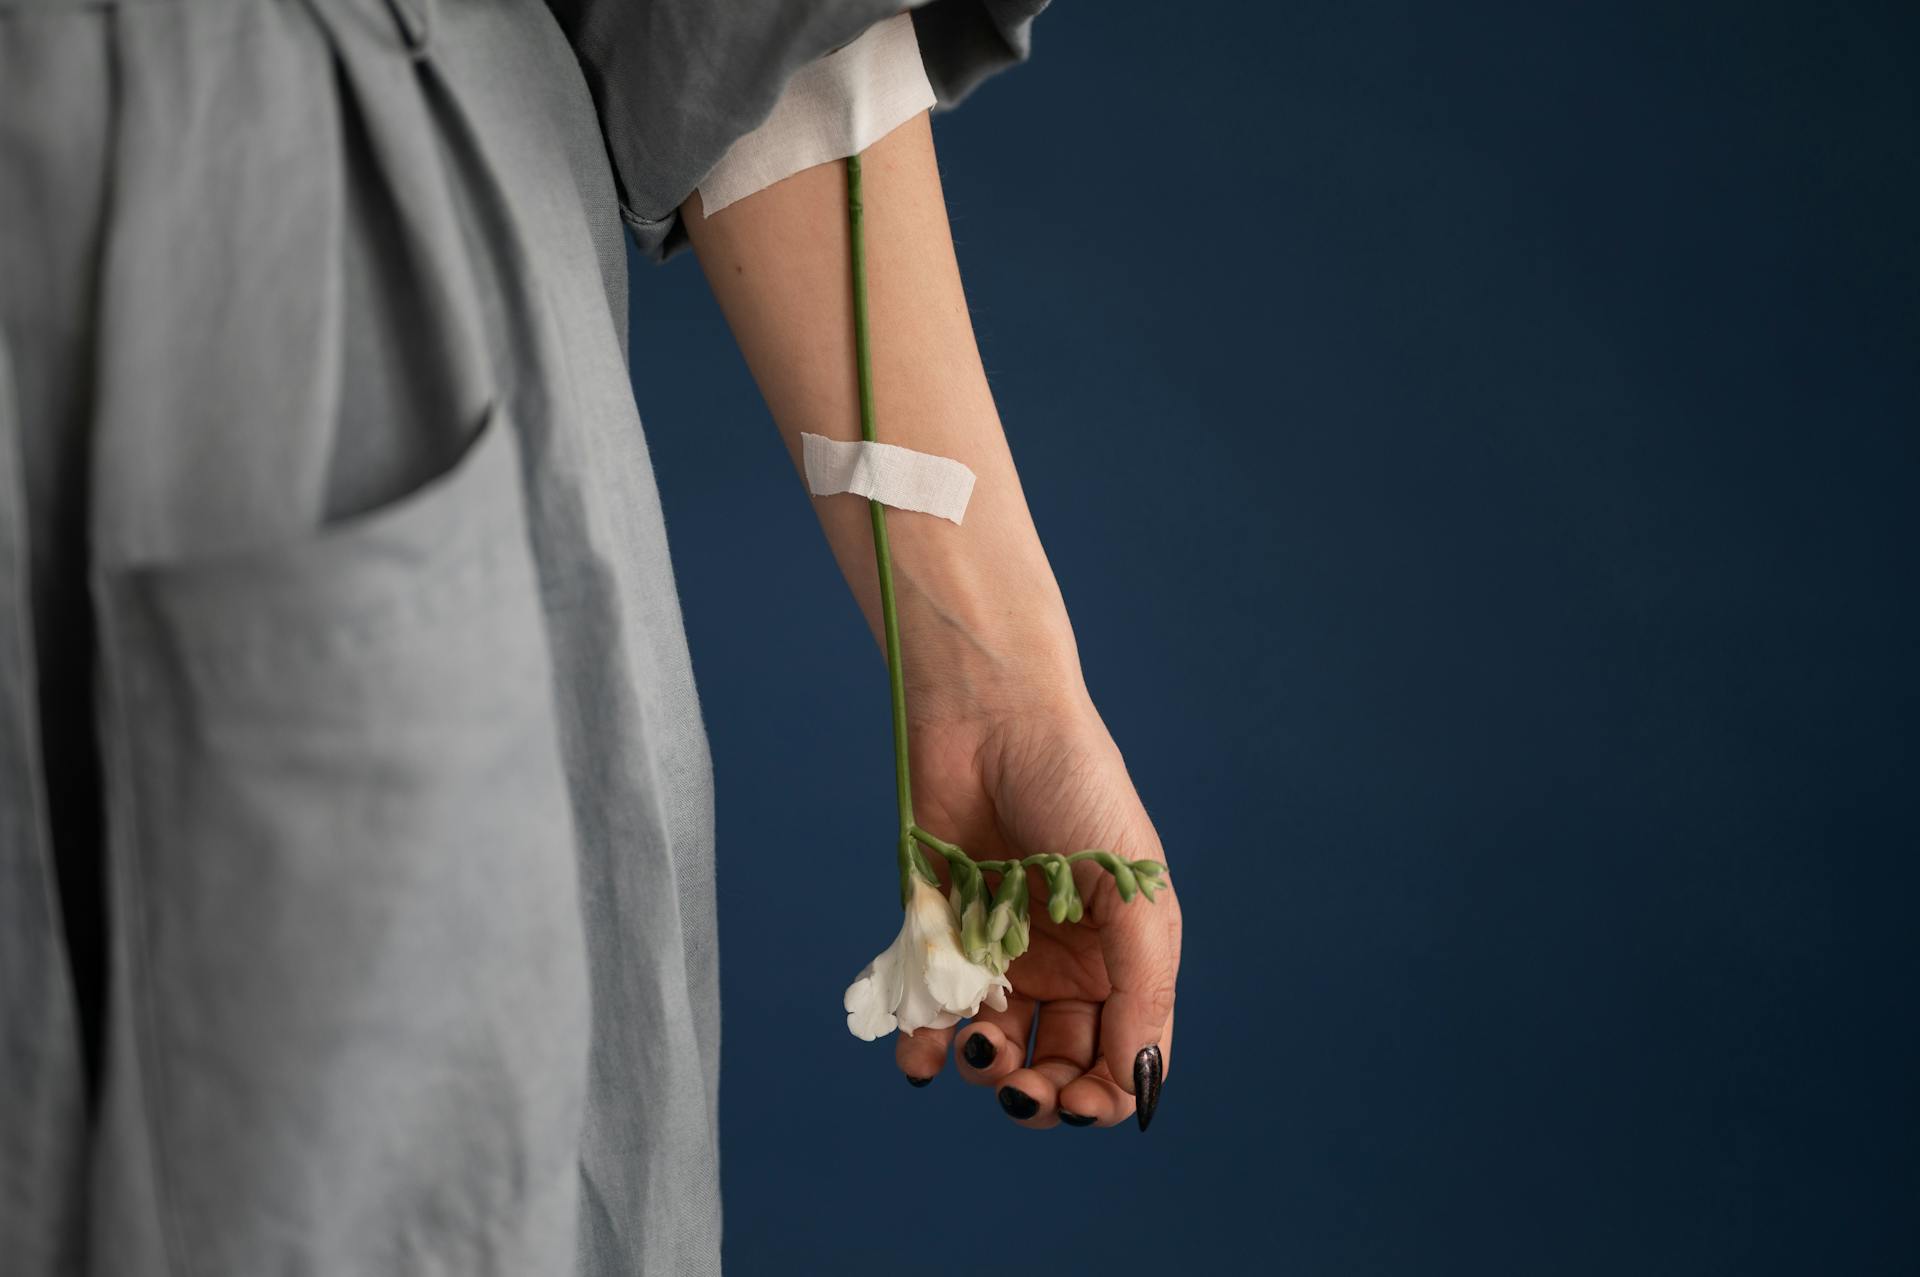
(977, 602)
(1008, 749)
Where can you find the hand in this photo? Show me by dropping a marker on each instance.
(1039, 780)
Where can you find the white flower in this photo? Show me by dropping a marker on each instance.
(923, 980)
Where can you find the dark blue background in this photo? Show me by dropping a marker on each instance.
(1477, 443)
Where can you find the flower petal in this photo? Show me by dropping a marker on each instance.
(867, 1015)
(958, 985)
(919, 1009)
(997, 993)
(928, 911)
(871, 999)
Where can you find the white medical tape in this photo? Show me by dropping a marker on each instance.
(887, 473)
(835, 106)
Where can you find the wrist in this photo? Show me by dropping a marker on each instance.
(982, 636)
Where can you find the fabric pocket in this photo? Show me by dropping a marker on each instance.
(344, 858)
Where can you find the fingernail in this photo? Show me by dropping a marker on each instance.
(1146, 1084)
(1018, 1103)
(919, 1081)
(977, 1051)
(1074, 1119)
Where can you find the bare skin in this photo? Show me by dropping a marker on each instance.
(1010, 756)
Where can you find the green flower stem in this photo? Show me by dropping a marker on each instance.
(945, 848)
(911, 861)
(1106, 859)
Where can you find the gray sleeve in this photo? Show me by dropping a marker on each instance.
(676, 81)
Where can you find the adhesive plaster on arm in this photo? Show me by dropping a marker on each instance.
(887, 473)
(835, 106)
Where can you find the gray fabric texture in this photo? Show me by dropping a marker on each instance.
(676, 81)
(407, 810)
(356, 812)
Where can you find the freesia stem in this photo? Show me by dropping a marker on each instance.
(952, 852)
(910, 860)
(940, 845)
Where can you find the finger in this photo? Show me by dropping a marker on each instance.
(1166, 1048)
(922, 1053)
(1139, 941)
(1064, 1039)
(994, 1043)
(1094, 1100)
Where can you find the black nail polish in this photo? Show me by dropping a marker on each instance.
(1018, 1103)
(1074, 1119)
(977, 1051)
(919, 1081)
(1146, 1084)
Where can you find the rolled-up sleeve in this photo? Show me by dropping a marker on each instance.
(675, 82)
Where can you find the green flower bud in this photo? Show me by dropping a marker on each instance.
(1061, 893)
(967, 880)
(1123, 878)
(1014, 943)
(998, 921)
(1009, 903)
(973, 931)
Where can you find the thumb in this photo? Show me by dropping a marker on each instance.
(1140, 942)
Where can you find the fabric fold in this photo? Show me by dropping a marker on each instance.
(677, 82)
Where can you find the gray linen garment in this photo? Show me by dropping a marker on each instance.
(356, 822)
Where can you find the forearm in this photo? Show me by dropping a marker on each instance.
(981, 616)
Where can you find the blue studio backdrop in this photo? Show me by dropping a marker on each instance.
(1477, 445)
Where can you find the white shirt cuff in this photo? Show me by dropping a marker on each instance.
(836, 106)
